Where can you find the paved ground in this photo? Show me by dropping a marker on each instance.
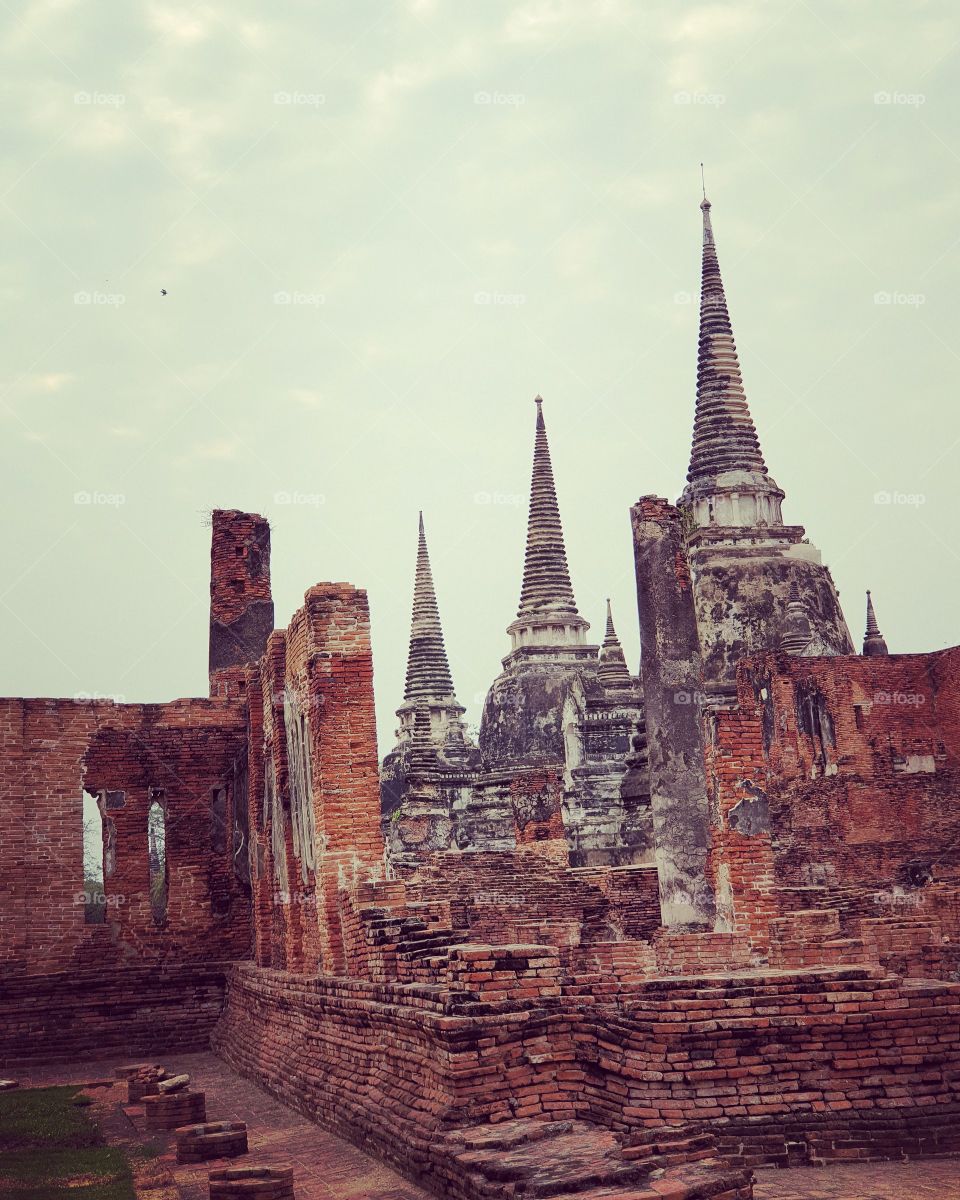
(939, 1178)
(325, 1167)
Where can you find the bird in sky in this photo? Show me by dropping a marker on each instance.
(163, 291)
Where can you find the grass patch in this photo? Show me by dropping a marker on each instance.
(50, 1147)
(148, 1150)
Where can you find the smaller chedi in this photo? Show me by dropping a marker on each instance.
(560, 759)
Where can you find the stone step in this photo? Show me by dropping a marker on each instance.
(574, 1162)
(428, 947)
(507, 1134)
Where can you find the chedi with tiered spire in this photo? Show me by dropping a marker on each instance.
(547, 615)
(758, 584)
(522, 716)
(431, 735)
(727, 482)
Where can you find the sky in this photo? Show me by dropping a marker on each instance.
(382, 229)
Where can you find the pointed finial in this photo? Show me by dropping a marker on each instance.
(872, 626)
(724, 437)
(546, 589)
(874, 644)
(703, 182)
(612, 670)
(428, 670)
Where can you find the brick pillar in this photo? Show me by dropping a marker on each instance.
(345, 769)
(241, 605)
(672, 684)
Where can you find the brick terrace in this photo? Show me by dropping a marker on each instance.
(327, 1168)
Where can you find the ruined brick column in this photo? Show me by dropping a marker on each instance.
(241, 604)
(343, 750)
(672, 684)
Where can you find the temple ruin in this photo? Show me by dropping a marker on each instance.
(653, 929)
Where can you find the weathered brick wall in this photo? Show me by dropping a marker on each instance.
(91, 1011)
(506, 895)
(241, 604)
(50, 750)
(315, 684)
(208, 902)
(835, 785)
(398, 1067)
(741, 856)
(864, 776)
(536, 797)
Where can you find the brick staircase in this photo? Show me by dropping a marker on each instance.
(811, 937)
(566, 1159)
(408, 948)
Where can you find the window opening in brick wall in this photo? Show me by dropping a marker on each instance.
(157, 854)
(94, 898)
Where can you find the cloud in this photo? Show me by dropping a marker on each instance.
(189, 24)
(219, 450)
(306, 397)
(543, 20)
(53, 381)
(198, 246)
(186, 134)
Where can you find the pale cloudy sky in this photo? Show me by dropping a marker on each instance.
(464, 204)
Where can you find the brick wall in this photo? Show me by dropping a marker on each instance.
(398, 1067)
(241, 604)
(50, 750)
(503, 895)
(90, 1012)
(315, 681)
(835, 785)
(741, 857)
